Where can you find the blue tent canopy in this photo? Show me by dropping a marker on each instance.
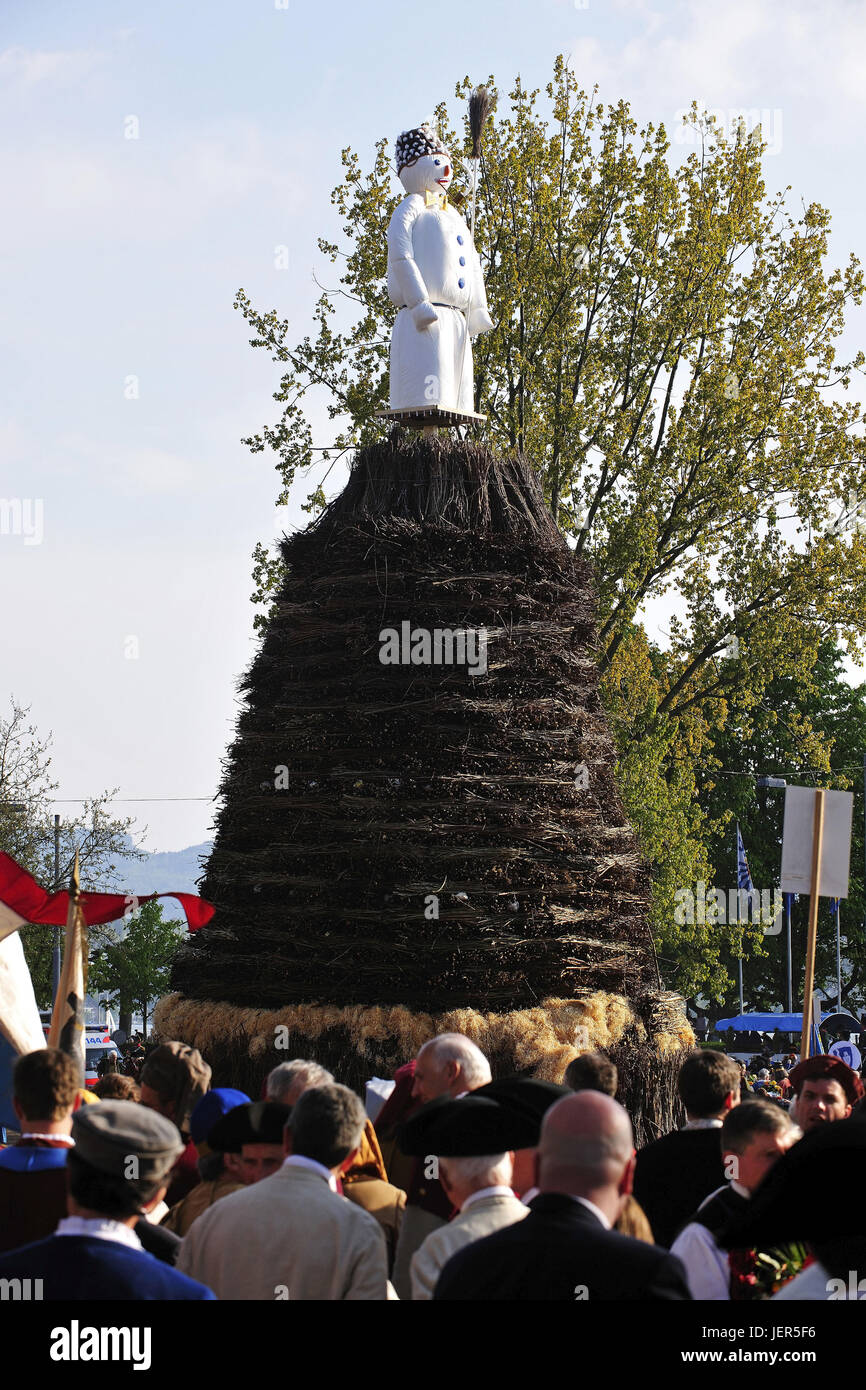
(764, 1023)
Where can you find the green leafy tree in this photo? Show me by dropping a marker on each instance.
(657, 778)
(27, 834)
(812, 735)
(133, 967)
(666, 356)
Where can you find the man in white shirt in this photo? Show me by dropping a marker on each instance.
(480, 1189)
(813, 1196)
(292, 1236)
(755, 1134)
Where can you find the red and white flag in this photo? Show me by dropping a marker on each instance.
(23, 900)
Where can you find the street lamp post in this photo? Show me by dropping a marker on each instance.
(788, 897)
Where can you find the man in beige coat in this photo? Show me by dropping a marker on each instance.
(481, 1190)
(365, 1180)
(292, 1236)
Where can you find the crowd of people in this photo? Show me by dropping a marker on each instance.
(763, 1076)
(128, 1061)
(464, 1188)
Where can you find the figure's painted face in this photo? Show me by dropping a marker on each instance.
(432, 172)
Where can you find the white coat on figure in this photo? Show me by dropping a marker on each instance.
(434, 276)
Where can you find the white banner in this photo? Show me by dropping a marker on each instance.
(797, 837)
(19, 1016)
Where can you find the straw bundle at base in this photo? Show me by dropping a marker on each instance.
(355, 1043)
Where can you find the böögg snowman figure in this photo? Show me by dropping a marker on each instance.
(434, 276)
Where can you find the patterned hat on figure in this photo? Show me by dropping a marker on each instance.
(412, 144)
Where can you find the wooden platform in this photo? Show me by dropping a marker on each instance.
(430, 417)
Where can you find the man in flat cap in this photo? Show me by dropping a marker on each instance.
(292, 1236)
(825, 1089)
(220, 1172)
(118, 1172)
(173, 1079)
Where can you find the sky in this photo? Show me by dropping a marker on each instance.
(153, 159)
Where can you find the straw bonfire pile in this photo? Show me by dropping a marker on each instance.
(404, 848)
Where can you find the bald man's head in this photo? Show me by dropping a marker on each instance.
(586, 1147)
(448, 1065)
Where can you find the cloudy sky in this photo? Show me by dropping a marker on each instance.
(152, 157)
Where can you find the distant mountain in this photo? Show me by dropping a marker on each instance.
(175, 869)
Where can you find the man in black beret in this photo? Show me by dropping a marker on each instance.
(118, 1172)
(527, 1099)
(255, 1131)
(513, 1107)
(447, 1065)
(470, 1143)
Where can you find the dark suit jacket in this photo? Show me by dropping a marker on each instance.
(32, 1192)
(674, 1175)
(87, 1268)
(561, 1251)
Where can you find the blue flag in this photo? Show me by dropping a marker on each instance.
(744, 878)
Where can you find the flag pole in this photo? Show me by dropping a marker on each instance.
(839, 953)
(812, 936)
(67, 1019)
(55, 933)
